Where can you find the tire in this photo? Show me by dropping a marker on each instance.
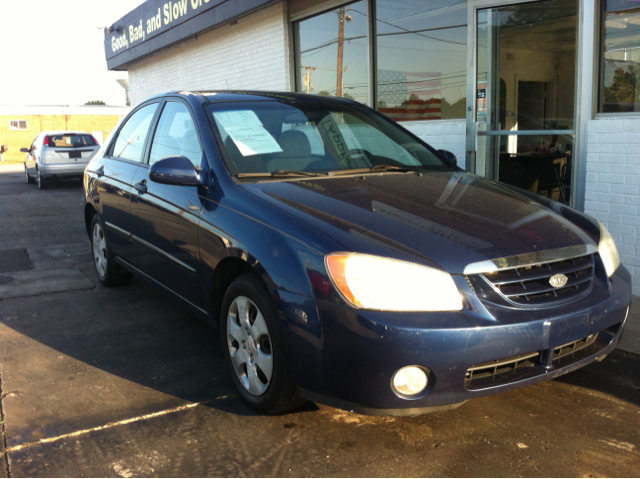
(29, 178)
(108, 271)
(42, 182)
(253, 348)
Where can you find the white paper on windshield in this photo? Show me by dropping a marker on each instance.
(247, 132)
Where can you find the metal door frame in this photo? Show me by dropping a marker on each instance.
(582, 109)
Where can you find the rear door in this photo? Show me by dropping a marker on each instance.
(167, 217)
(35, 150)
(122, 159)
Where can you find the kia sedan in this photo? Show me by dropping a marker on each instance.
(344, 260)
(58, 155)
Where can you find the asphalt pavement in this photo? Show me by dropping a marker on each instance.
(124, 383)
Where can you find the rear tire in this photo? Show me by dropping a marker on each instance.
(42, 182)
(253, 348)
(109, 272)
(29, 178)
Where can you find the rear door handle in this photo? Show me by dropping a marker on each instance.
(141, 187)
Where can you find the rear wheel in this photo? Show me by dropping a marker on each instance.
(253, 348)
(28, 177)
(109, 272)
(42, 182)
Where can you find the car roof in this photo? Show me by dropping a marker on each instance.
(65, 132)
(248, 95)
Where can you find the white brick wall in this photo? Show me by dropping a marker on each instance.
(253, 54)
(612, 188)
(442, 135)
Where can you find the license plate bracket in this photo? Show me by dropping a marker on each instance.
(75, 154)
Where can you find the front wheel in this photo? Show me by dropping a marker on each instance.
(253, 348)
(109, 272)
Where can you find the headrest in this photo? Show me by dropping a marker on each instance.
(294, 144)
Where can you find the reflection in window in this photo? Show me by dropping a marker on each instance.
(176, 135)
(620, 91)
(422, 59)
(332, 53)
(133, 134)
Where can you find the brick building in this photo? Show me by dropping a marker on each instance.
(538, 94)
(19, 125)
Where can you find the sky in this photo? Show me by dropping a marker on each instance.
(53, 51)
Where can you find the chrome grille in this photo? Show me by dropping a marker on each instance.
(573, 346)
(500, 366)
(530, 285)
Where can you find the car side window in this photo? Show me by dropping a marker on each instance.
(176, 135)
(132, 135)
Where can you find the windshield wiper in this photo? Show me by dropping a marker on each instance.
(375, 169)
(281, 174)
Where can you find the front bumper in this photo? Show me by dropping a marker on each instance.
(75, 169)
(346, 358)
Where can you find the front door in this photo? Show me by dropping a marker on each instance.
(522, 89)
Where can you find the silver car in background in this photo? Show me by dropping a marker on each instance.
(58, 154)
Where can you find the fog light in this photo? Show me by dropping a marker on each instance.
(409, 381)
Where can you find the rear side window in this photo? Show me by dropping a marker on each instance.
(176, 135)
(70, 141)
(132, 135)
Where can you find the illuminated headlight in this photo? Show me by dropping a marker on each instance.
(409, 381)
(608, 251)
(373, 282)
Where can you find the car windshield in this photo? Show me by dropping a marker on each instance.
(71, 140)
(310, 138)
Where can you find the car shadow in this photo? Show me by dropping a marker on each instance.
(133, 333)
(618, 375)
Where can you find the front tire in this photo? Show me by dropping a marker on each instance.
(253, 349)
(109, 272)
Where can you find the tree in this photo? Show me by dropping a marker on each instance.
(95, 102)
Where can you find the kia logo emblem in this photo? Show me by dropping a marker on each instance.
(558, 280)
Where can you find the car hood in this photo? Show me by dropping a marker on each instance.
(443, 219)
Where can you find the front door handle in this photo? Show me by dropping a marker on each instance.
(141, 187)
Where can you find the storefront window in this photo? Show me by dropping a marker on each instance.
(333, 53)
(422, 59)
(620, 68)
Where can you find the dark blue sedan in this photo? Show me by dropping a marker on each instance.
(345, 261)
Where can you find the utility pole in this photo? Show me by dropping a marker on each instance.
(307, 79)
(340, 51)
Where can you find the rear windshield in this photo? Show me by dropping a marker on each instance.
(322, 137)
(71, 141)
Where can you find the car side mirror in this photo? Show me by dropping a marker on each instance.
(447, 155)
(25, 150)
(174, 170)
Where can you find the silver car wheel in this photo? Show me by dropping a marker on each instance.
(99, 244)
(26, 174)
(249, 345)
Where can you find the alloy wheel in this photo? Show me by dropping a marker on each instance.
(99, 244)
(249, 345)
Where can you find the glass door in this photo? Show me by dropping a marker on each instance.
(521, 112)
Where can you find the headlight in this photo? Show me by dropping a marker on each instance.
(608, 251)
(373, 282)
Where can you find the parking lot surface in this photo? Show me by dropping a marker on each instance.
(124, 383)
